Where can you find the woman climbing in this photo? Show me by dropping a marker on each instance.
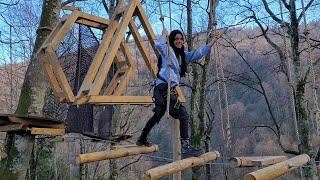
(172, 65)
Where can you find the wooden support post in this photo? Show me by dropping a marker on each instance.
(279, 169)
(257, 160)
(177, 166)
(176, 146)
(117, 153)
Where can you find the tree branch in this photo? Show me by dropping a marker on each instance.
(272, 15)
(305, 9)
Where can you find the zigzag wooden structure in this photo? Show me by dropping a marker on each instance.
(107, 53)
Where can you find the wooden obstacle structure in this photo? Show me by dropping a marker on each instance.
(259, 161)
(278, 169)
(109, 51)
(116, 153)
(30, 124)
(178, 166)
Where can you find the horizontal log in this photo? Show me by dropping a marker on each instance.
(278, 169)
(249, 161)
(117, 153)
(178, 166)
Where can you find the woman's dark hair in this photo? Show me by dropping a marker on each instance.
(178, 51)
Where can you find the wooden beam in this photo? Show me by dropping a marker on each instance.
(61, 77)
(147, 27)
(94, 18)
(178, 166)
(98, 58)
(120, 100)
(91, 24)
(112, 50)
(11, 127)
(117, 153)
(143, 49)
(36, 122)
(58, 38)
(278, 169)
(52, 34)
(251, 161)
(52, 78)
(47, 131)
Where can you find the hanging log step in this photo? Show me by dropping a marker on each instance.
(278, 169)
(116, 153)
(251, 161)
(178, 166)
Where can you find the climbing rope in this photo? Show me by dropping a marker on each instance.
(168, 55)
(220, 73)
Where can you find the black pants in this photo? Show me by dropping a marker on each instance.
(177, 111)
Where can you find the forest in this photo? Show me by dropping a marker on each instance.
(255, 94)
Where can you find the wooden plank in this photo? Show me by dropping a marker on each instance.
(278, 169)
(11, 127)
(58, 38)
(93, 18)
(113, 84)
(117, 153)
(269, 160)
(53, 33)
(52, 78)
(47, 131)
(112, 50)
(58, 71)
(129, 72)
(143, 49)
(123, 82)
(147, 27)
(98, 58)
(36, 122)
(178, 166)
(121, 100)
(91, 24)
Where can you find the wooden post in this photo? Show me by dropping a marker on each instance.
(279, 169)
(176, 146)
(257, 160)
(177, 166)
(117, 153)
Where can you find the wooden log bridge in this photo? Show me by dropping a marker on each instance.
(250, 161)
(116, 153)
(278, 169)
(178, 166)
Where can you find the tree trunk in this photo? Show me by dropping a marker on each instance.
(301, 108)
(18, 147)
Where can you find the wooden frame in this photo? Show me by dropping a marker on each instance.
(108, 53)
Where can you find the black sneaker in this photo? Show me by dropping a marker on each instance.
(188, 151)
(144, 142)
